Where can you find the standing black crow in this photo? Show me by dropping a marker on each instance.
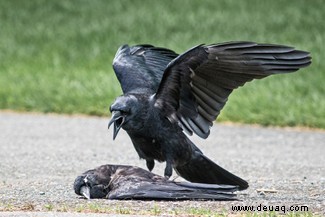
(166, 94)
(129, 182)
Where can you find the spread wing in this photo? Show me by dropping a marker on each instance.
(196, 85)
(140, 68)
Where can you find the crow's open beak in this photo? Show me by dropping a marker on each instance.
(118, 119)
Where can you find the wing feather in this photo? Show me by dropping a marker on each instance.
(149, 190)
(140, 68)
(195, 86)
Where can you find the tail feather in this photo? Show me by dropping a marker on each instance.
(203, 170)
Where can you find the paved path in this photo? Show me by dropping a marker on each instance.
(41, 155)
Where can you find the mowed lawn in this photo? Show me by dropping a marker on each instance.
(56, 55)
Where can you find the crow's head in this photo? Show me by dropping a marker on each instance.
(123, 110)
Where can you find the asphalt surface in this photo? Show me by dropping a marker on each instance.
(41, 155)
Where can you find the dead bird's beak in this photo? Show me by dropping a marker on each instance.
(118, 119)
(85, 191)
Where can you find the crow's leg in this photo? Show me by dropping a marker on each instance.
(168, 168)
(150, 164)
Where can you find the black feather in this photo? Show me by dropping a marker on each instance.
(140, 68)
(218, 69)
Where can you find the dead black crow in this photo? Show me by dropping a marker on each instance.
(166, 94)
(129, 182)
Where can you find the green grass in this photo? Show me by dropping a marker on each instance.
(55, 56)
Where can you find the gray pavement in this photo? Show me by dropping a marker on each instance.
(41, 155)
